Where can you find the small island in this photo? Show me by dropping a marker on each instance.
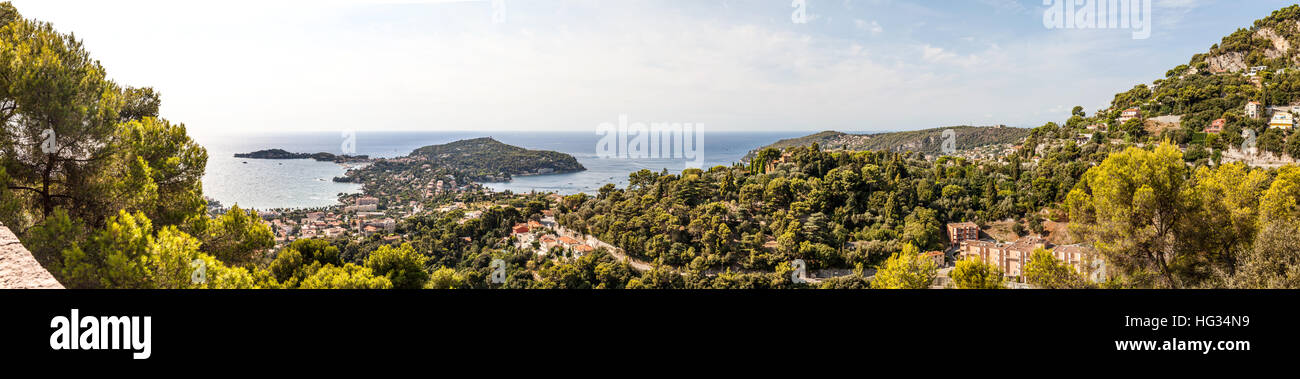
(322, 156)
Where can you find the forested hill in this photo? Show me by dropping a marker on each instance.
(483, 158)
(929, 141)
(1259, 63)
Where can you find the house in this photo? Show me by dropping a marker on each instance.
(548, 242)
(569, 241)
(936, 256)
(962, 231)
(519, 229)
(1098, 127)
(1216, 126)
(1254, 109)
(1083, 138)
(1129, 114)
(1282, 120)
(334, 232)
(580, 250)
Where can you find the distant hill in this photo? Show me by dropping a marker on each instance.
(928, 141)
(282, 154)
(486, 159)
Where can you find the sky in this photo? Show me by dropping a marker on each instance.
(241, 66)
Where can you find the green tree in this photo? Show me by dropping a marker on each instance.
(59, 116)
(905, 270)
(127, 254)
(349, 276)
(921, 228)
(1045, 271)
(1273, 261)
(1228, 197)
(1130, 206)
(401, 265)
(972, 274)
(88, 168)
(301, 258)
(445, 279)
(237, 237)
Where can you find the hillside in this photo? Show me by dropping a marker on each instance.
(488, 159)
(1258, 63)
(929, 141)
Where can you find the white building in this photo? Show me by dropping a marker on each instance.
(1129, 114)
(1253, 109)
(1282, 120)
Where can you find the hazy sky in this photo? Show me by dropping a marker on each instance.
(855, 65)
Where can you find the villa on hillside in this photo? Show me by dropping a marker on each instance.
(1216, 126)
(936, 256)
(1282, 120)
(1253, 109)
(1129, 114)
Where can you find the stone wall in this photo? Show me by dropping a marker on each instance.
(18, 268)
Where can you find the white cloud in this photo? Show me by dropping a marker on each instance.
(868, 26)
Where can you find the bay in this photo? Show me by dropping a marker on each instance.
(304, 183)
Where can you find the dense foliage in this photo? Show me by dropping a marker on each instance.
(101, 190)
(928, 141)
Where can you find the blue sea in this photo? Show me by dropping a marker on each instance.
(305, 183)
